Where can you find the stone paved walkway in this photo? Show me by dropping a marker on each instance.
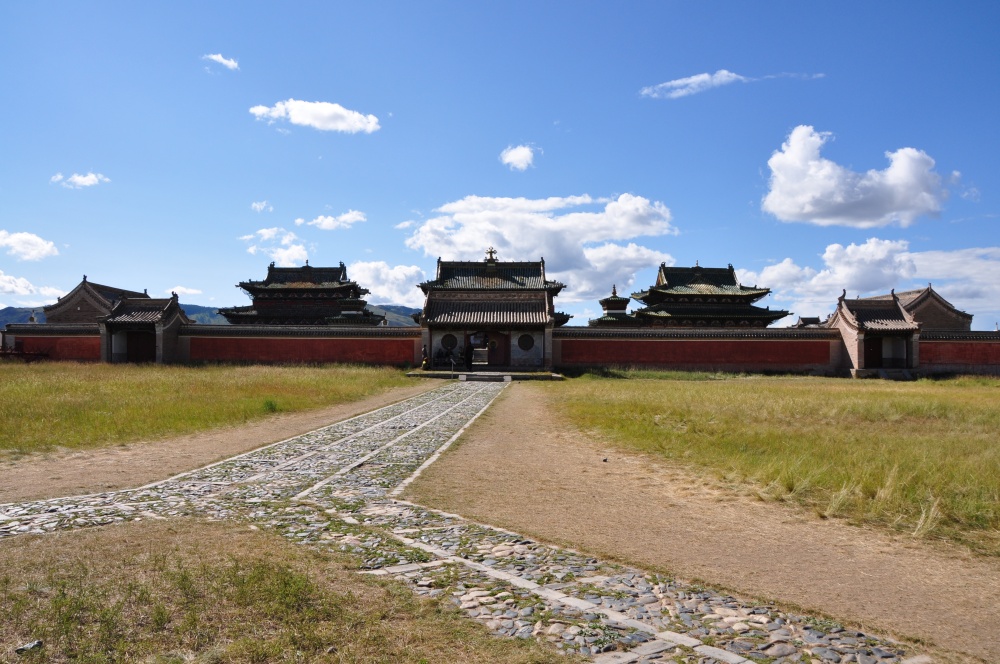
(334, 488)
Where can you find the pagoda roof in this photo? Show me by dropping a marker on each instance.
(491, 275)
(491, 312)
(709, 311)
(876, 314)
(911, 299)
(700, 281)
(305, 276)
(108, 294)
(144, 310)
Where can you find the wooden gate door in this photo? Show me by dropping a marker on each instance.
(499, 349)
(141, 347)
(873, 352)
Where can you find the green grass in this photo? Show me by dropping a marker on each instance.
(63, 404)
(182, 591)
(920, 457)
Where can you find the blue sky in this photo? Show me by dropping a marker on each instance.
(815, 146)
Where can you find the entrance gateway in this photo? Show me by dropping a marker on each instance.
(490, 314)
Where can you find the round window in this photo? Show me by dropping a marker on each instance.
(449, 341)
(525, 342)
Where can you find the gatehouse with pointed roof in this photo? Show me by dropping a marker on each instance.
(494, 313)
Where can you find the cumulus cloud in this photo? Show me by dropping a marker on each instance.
(321, 115)
(21, 287)
(228, 63)
(966, 277)
(77, 181)
(261, 206)
(578, 236)
(518, 158)
(395, 284)
(807, 187)
(330, 223)
(183, 290)
(691, 85)
(283, 247)
(27, 246)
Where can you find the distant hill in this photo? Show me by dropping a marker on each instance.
(19, 315)
(204, 315)
(397, 315)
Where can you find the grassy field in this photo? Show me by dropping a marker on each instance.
(64, 404)
(920, 457)
(184, 590)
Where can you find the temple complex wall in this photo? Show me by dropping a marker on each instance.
(772, 350)
(74, 343)
(975, 353)
(281, 344)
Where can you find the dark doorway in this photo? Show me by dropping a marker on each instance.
(499, 346)
(873, 353)
(141, 347)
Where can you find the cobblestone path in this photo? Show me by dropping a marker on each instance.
(334, 488)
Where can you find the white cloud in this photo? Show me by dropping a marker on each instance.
(11, 285)
(183, 290)
(966, 277)
(261, 206)
(574, 234)
(321, 115)
(682, 87)
(282, 246)
(27, 246)
(806, 187)
(225, 62)
(330, 223)
(691, 85)
(19, 286)
(396, 284)
(77, 181)
(518, 158)
(405, 224)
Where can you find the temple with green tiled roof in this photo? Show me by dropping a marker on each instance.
(304, 295)
(497, 313)
(700, 297)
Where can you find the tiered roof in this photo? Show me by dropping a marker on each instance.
(703, 297)
(490, 293)
(304, 295)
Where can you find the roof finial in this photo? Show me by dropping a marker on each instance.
(84, 277)
(614, 291)
(145, 292)
(307, 262)
(491, 254)
(696, 262)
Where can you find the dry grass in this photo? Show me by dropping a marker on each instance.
(64, 404)
(921, 457)
(185, 590)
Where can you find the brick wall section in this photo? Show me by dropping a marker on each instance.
(958, 356)
(394, 351)
(84, 349)
(731, 354)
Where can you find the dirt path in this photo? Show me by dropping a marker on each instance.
(521, 467)
(125, 466)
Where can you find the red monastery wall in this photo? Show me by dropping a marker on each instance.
(960, 356)
(87, 349)
(708, 354)
(306, 350)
